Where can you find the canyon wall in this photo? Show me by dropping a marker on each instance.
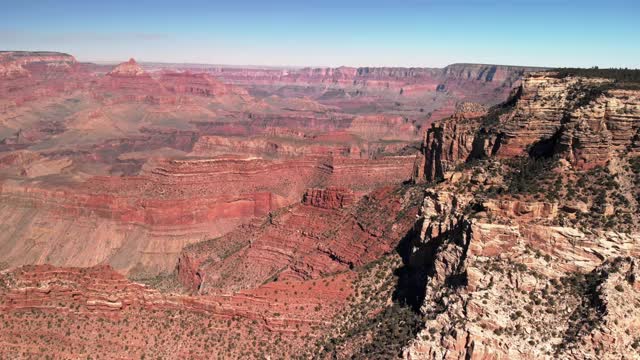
(381, 77)
(577, 118)
(139, 224)
(524, 249)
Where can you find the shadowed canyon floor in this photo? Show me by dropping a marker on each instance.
(172, 211)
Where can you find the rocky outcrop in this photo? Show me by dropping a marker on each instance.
(585, 120)
(467, 268)
(329, 198)
(497, 274)
(450, 142)
(128, 82)
(607, 126)
(127, 69)
(15, 64)
(577, 117)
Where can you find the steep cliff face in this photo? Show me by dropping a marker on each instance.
(519, 291)
(507, 75)
(476, 82)
(585, 120)
(528, 240)
(384, 76)
(343, 75)
(450, 142)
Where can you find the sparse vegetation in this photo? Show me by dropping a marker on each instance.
(623, 78)
(530, 176)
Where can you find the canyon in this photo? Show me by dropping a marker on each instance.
(180, 211)
(145, 160)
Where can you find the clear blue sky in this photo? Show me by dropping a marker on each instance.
(331, 32)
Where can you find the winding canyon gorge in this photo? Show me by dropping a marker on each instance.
(175, 211)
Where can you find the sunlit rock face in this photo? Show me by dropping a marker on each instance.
(509, 246)
(548, 115)
(176, 211)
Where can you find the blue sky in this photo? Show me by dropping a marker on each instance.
(331, 33)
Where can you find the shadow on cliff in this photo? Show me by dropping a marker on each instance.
(397, 324)
(412, 277)
(419, 262)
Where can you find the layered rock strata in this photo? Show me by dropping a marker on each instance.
(582, 119)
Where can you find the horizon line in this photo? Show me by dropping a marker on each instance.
(307, 66)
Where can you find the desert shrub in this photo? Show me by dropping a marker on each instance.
(622, 78)
(527, 174)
